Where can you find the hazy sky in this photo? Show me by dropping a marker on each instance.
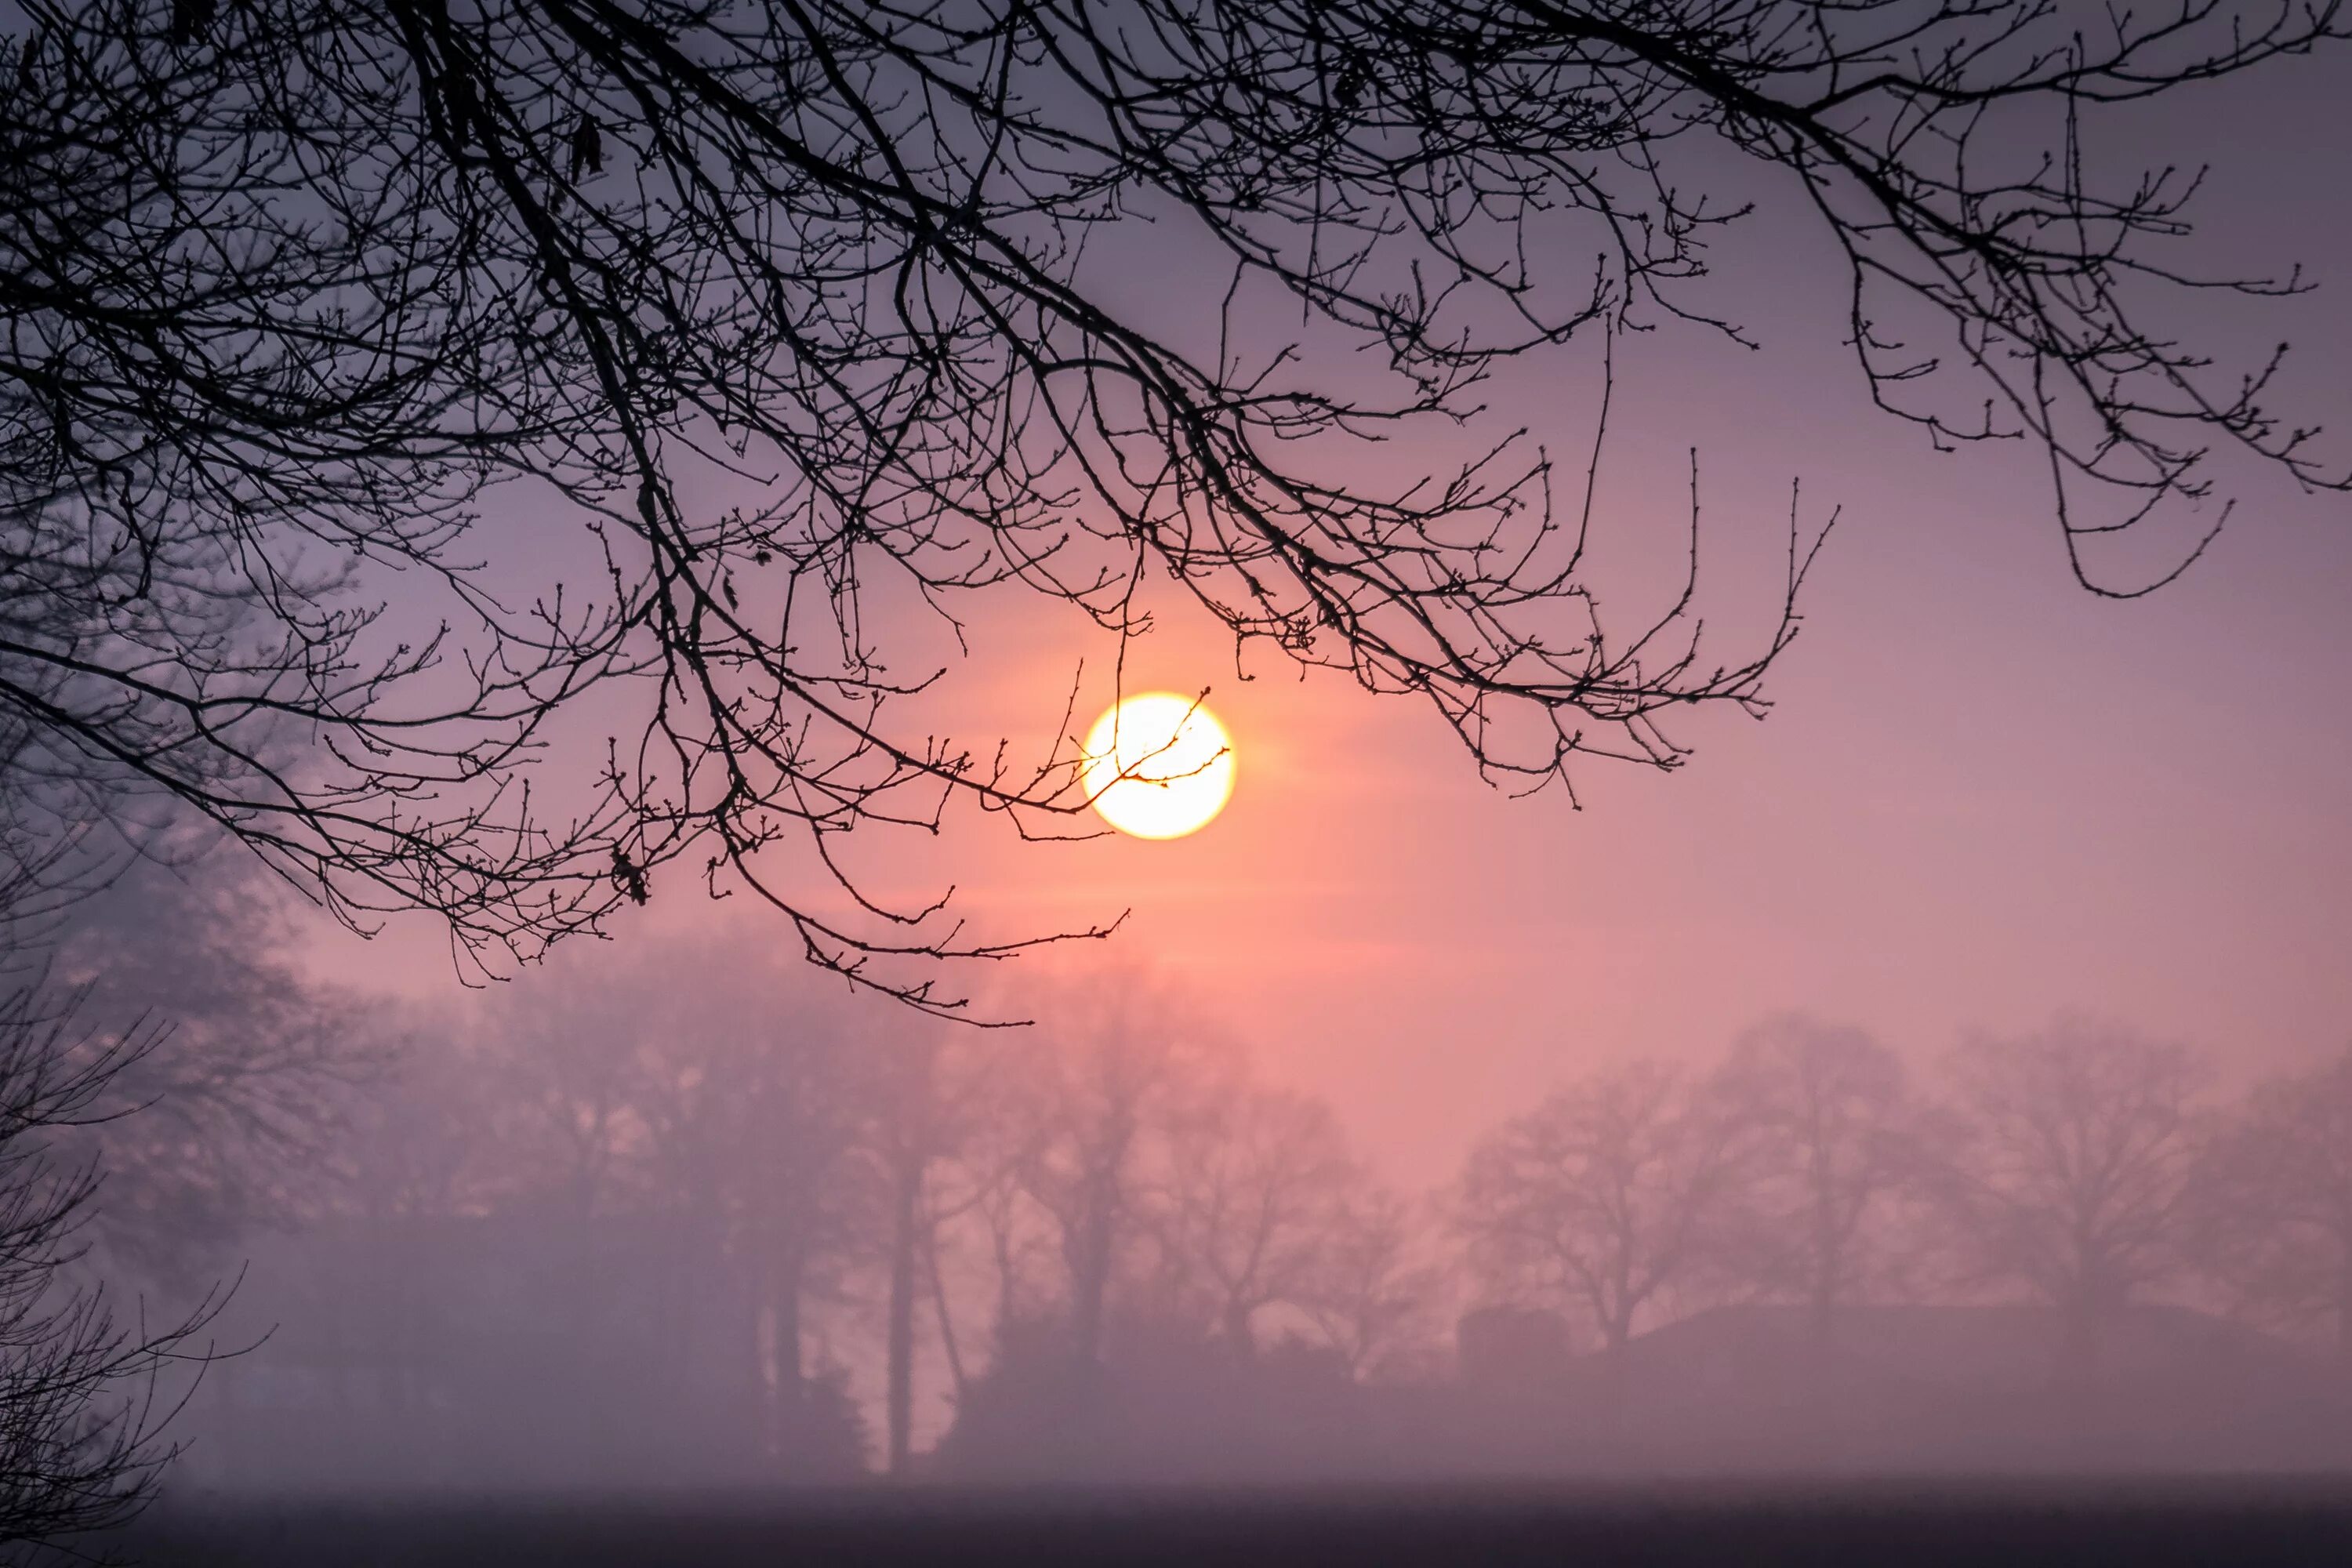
(1983, 795)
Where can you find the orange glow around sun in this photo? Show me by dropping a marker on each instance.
(1159, 766)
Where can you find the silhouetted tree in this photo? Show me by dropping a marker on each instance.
(1376, 1290)
(1605, 1197)
(2073, 1147)
(2270, 1201)
(244, 1099)
(186, 1123)
(1255, 1184)
(684, 1110)
(909, 1137)
(290, 286)
(982, 1227)
(81, 1424)
(419, 1141)
(932, 1094)
(735, 1108)
(1125, 1058)
(803, 1202)
(558, 1071)
(1835, 1144)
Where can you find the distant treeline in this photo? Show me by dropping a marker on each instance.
(672, 1188)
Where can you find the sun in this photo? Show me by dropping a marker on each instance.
(1159, 766)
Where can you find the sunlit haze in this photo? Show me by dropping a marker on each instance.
(781, 757)
(1159, 765)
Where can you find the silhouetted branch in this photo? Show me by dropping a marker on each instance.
(786, 308)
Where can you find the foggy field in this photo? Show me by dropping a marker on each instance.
(2256, 1520)
(840, 782)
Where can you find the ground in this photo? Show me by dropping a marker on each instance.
(2237, 1521)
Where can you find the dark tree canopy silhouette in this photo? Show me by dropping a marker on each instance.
(243, 1102)
(2070, 1168)
(1836, 1141)
(618, 1233)
(189, 1125)
(1255, 1184)
(2270, 1201)
(1607, 1197)
(84, 1393)
(782, 311)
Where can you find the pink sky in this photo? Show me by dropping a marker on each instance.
(1983, 795)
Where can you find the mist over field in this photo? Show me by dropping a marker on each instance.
(673, 1215)
(1359, 780)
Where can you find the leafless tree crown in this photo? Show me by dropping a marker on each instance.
(784, 312)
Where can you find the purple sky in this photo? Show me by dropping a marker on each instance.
(1983, 795)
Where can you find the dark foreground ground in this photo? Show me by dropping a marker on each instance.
(2090, 1524)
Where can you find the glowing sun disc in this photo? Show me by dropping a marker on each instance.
(1176, 760)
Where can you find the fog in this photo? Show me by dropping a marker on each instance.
(560, 983)
(679, 1214)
